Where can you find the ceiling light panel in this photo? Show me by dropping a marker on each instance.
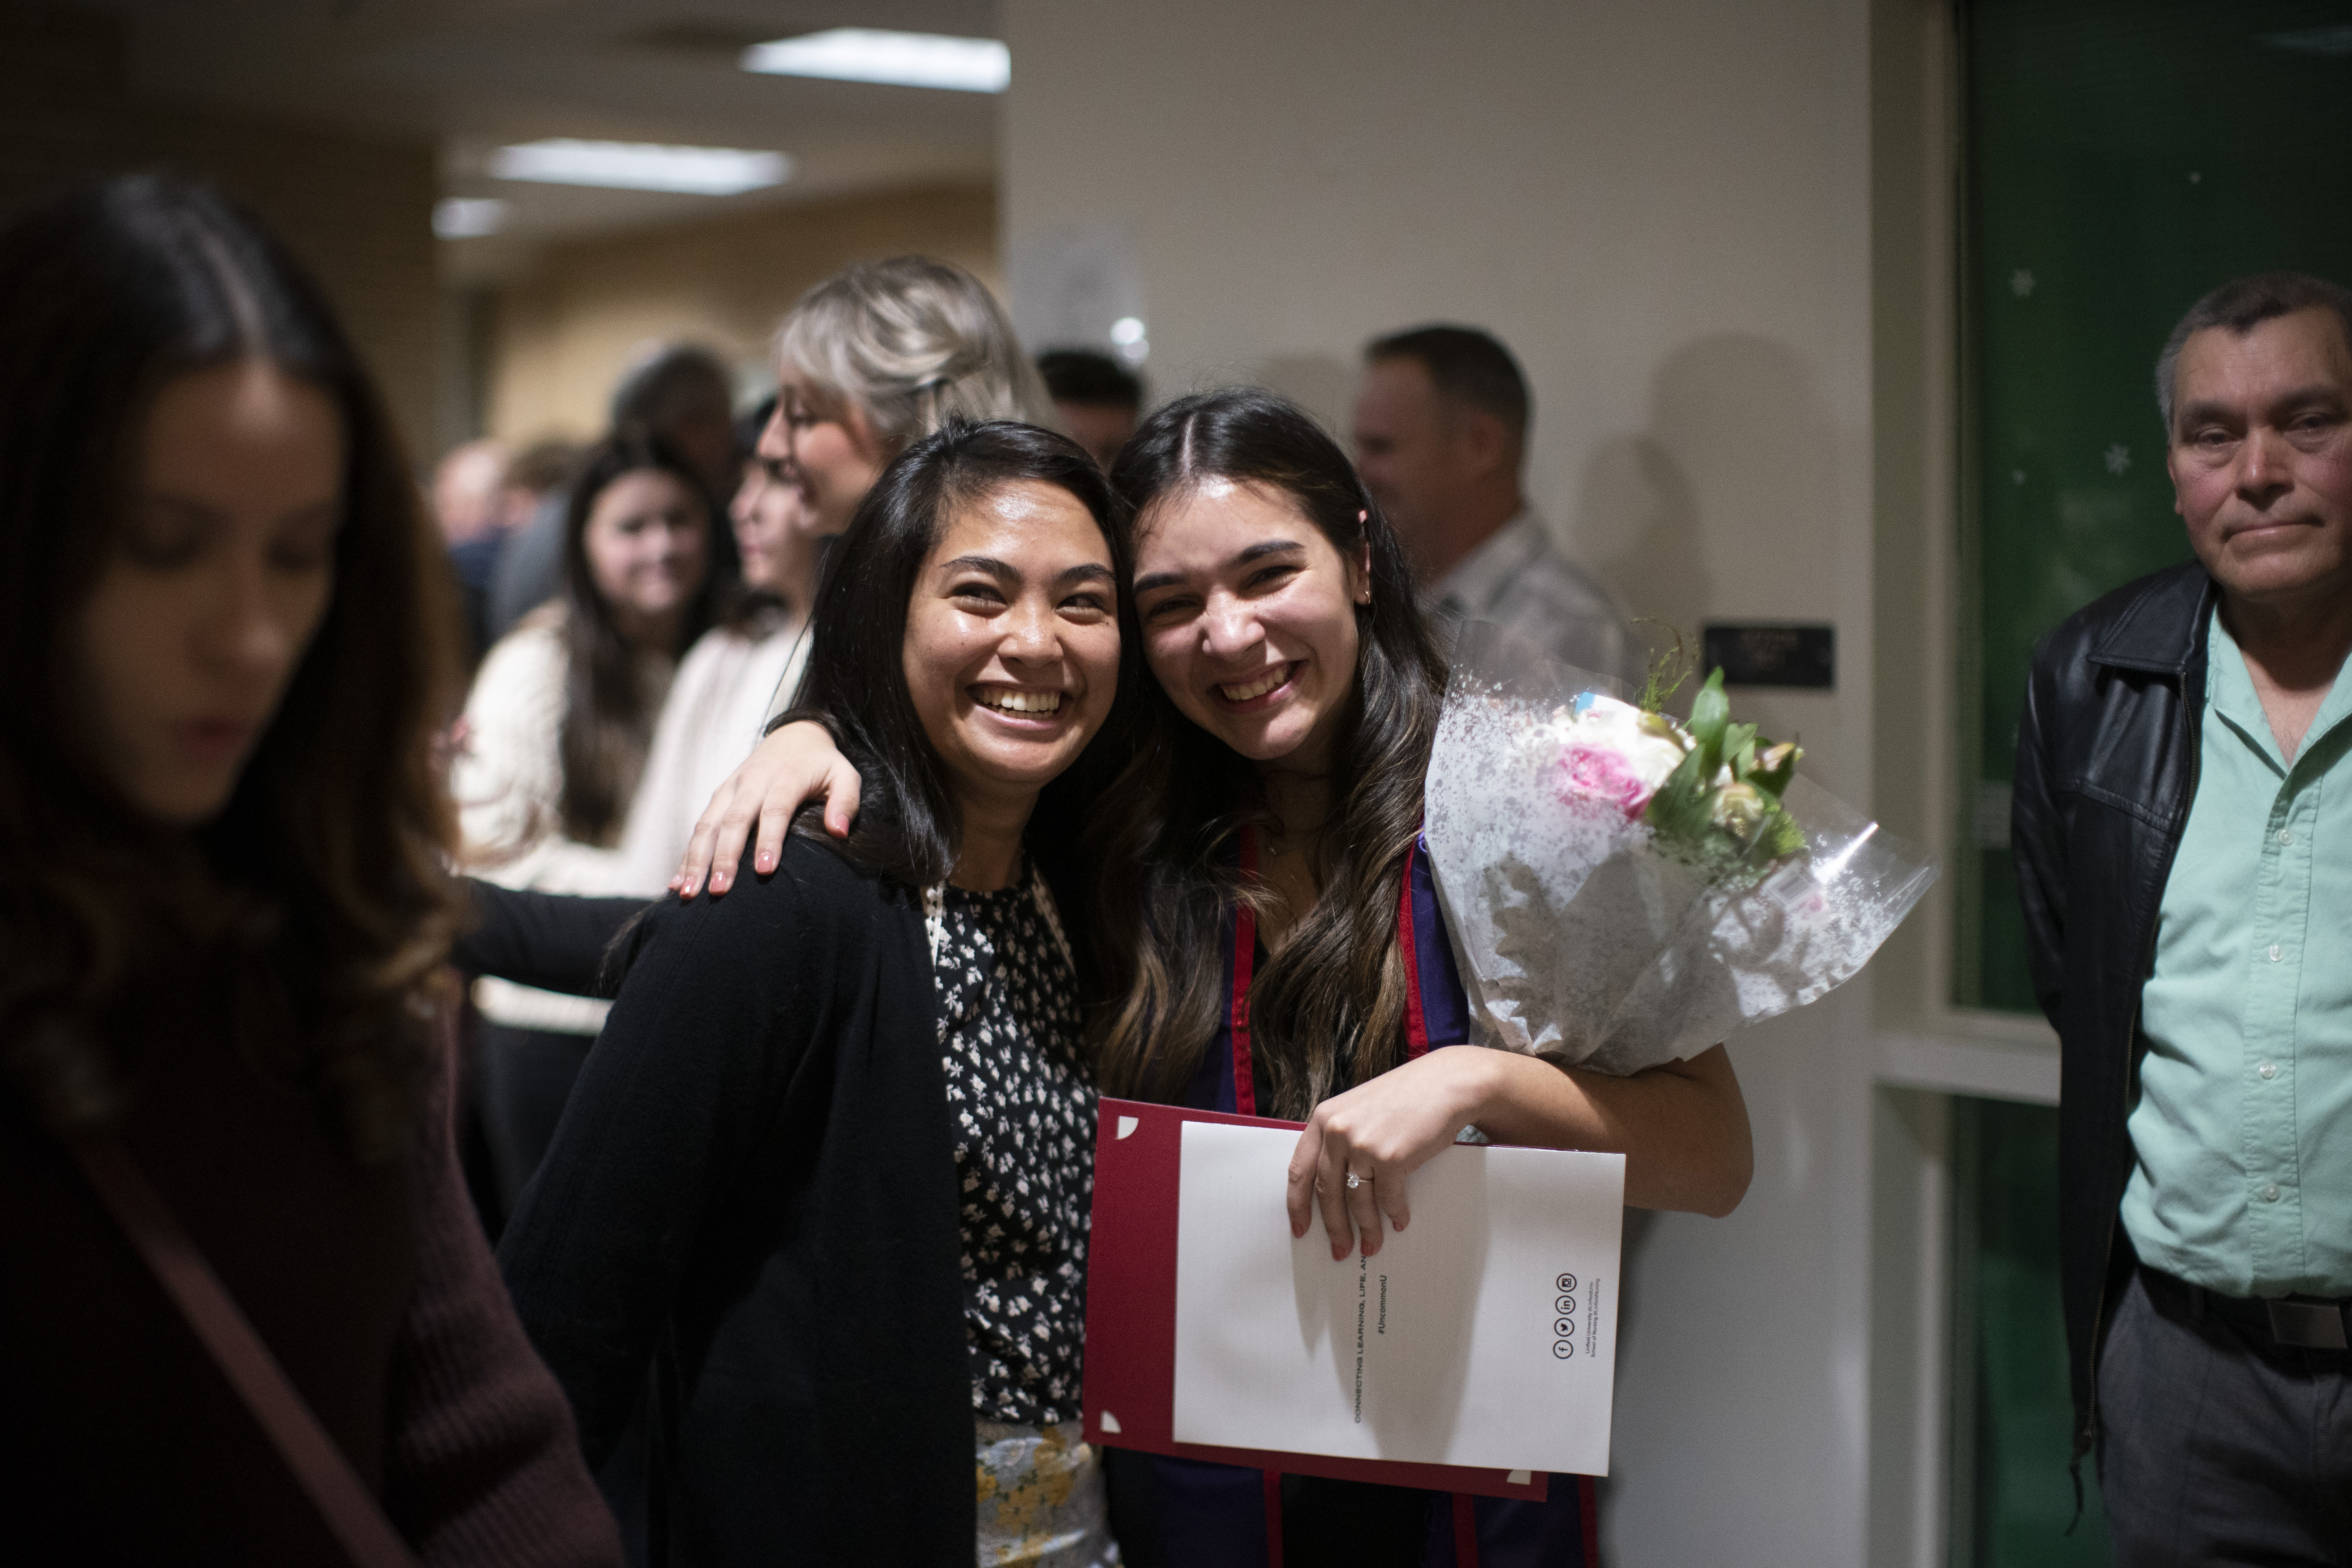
(642, 166)
(896, 59)
(468, 217)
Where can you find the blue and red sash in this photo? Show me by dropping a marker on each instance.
(1222, 1513)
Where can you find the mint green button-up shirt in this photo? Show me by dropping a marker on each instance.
(2241, 1137)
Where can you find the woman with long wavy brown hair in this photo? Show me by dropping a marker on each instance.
(228, 1188)
(1276, 942)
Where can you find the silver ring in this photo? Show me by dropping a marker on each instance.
(1354, 1181)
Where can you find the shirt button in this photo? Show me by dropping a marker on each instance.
(2277, 953)
(2286, 835)
(2268, 1069)
(2270, 1192)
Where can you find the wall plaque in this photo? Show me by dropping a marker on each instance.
(1802, 656)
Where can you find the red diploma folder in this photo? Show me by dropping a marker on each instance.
(1131, 1379)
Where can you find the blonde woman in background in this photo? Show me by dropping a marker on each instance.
(871, 360)
(879, 355)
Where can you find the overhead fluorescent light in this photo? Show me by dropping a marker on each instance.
(468, 217)
(642, 166)
(899, 60)
(2335, 41)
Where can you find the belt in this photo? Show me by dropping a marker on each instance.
(2293, 1323)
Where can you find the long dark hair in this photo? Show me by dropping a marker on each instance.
(325, 869)
(608, 725)
(908, 825)
(1329, 1009)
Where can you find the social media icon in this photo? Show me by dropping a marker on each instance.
(1561, 1350)
(1565, 1328)
(1567, 1283)
(1565, 1305)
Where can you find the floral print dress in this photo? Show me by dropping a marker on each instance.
(1025, 1113)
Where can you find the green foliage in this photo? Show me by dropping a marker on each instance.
(1736, 821)
(1667, 673)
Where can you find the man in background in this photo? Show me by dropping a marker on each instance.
(1097, 399)
(1441, 432)
(683, 395)
(2182, 827)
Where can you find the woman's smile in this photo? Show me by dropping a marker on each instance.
(1259, 692)
(1027, 706)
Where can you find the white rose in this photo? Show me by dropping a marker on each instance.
(1652, 746)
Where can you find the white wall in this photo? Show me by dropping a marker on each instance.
(1664, 206)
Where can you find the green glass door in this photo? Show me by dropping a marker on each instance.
(2122, 157)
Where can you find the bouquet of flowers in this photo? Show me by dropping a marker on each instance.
(1624, 888)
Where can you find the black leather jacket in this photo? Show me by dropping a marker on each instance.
(2106, 766)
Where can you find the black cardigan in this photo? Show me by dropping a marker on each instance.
(753, 1190)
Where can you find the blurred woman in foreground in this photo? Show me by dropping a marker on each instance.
(223, 901)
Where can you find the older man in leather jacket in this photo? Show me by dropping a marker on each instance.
(2183, 835)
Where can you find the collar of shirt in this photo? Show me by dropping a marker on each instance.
(1479, 578)
(2231, 689)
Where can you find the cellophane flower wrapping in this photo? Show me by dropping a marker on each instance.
(1611, 908)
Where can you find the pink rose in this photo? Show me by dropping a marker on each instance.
(1588, 772)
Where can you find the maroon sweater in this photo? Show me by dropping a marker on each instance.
(119, 1440)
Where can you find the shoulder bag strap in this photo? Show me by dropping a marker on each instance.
(350, 1513)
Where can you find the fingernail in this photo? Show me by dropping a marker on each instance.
(719, 882)
(767, 862)
(688, 888)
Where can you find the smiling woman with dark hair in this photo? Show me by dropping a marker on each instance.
(824, 1173)
(224, 907)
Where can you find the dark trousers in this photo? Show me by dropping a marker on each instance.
(2216, 1449)
(527, 1074)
